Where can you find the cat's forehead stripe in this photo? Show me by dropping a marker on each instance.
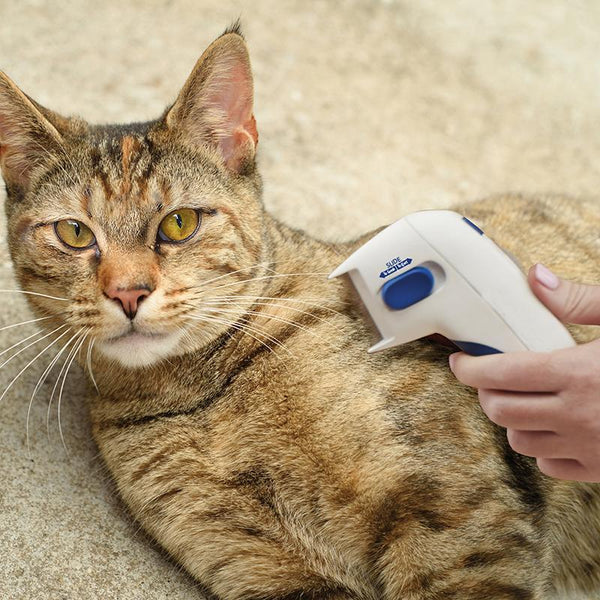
(130, 148)
(128, 145)
(122, 162)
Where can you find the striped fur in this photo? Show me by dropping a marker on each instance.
(268, 453)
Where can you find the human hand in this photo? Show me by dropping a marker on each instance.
(549, 402)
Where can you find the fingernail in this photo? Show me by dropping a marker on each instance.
(546, 277)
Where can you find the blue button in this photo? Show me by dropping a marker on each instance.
(475, 349)
(407, 289)
(479, 231)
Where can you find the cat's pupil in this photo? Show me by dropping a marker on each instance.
(179, 220)
(77, 228)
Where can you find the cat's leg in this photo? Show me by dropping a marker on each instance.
(251, 572)
(238, 551)
(465, 565)
(230, 530)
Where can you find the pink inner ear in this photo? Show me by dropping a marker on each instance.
(231, 96)
(21, 144)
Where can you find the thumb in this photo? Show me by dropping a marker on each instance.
(568, 301)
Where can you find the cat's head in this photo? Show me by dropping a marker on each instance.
(129, 227)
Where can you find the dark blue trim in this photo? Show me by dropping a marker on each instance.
(475, 349)
(479, 231)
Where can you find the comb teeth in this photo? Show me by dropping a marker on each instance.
(341, 270)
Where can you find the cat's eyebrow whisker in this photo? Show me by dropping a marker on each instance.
(28, 345)
(23, 323)
(31, 362)
(40, 382)
(60, 373)
(77, 347)
(33, 294)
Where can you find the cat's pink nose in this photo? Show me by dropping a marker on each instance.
(128, 299)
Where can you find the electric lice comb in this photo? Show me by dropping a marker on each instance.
(435, 271)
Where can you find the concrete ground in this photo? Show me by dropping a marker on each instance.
(366, 110)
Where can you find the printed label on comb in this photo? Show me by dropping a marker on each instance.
(394, 265)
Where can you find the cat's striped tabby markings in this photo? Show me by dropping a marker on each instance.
(232, 397)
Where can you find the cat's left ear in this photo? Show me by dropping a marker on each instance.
(215, 106)
(27, 138)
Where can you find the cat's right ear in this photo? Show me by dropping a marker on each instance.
(27, 138)
(214, 108)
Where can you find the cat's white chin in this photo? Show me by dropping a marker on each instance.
(137, 350)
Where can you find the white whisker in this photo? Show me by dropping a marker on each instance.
(54, 388)
(23, 323)
(245, 327)
(28, 345)
(204, 283)
(89, 362)
(266, 315)
(304, 300)
(268, 302)
(40, 382)
(77, 347)
(21, 342)
(30, 363)
(263, 277)
(33, 294)
(245, 330)
(264, 264)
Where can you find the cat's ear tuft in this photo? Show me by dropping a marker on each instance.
(235, 27)
(27, 138)
(215, 106)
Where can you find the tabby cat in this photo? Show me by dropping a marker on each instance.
(232, 399)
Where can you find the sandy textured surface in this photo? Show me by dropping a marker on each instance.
(366, 110)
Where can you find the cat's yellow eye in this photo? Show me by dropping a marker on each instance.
(74, 234)
(179, 225)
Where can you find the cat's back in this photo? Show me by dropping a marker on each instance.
(559, 231)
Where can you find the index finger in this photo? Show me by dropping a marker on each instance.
(513, 371)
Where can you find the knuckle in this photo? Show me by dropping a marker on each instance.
(496, 407)
(490, 405)
(500, 373)
(465, 370)
(518, 441)
(554, 468)
(485, 397)
(543, 364)
(547, 368)
(576, 420)
(546, 466)
(574, 301)
(497, 413)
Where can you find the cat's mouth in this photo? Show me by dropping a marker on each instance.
(134, 336)
(135, 348)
